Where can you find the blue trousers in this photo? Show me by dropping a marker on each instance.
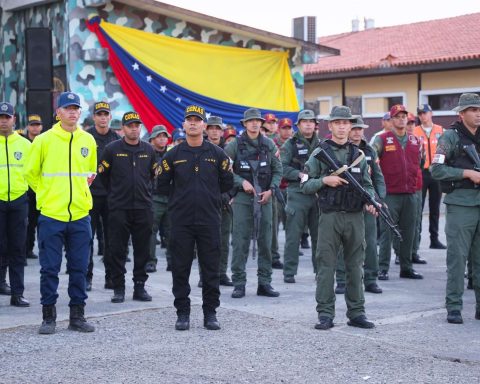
(53, 235)
(13, 233)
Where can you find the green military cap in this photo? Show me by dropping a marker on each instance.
(306, 114)
(251, 114)
(467, 100)
(341, 113)
(157, 130)
(358, 123)
(215, 120)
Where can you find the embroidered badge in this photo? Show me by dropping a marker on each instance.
(438, 159)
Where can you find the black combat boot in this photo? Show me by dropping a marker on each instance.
(238, 291)
(118, 295)
(139, 292)
(183, 322)
(210, 322)
(19, 301)
(340, 289)
(225, 281)
(267, 290)
(77, 320)
(304, 241)
(49, 320)
(4, 287)
(454, 317)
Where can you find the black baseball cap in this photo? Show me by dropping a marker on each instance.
(131, 117)
(195, 110)
(101, 106)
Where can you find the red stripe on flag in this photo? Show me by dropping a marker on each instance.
(149, 115)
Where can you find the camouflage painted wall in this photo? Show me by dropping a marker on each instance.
(12, 56)
(87, 75)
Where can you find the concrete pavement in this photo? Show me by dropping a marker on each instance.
(262, 339)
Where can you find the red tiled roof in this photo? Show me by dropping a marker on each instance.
(434, 41)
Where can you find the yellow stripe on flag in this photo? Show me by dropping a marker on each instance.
(250, 77)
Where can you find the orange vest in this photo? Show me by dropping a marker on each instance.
(429, 144)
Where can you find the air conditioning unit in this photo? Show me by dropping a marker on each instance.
(305, 28)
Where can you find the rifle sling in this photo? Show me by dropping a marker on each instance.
(344, 168)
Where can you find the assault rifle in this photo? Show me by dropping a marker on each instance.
(472, 154)
(257, 208)
(382, 210)
(279, 196)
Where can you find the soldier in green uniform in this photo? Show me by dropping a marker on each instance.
(249, 150)
(270, 130)
(301, 209)
(159, 141)
(215, 135)
(459, 178)
(285, 132)
(370, 267)
(341, 220)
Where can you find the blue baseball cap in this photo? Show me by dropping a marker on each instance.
(6, 109)
(66, 99)
(386, 116)
(178, 135)
(424, 108)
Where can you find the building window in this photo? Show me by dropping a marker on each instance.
(443, 101)
(312, 105)
(376, 104)
(324, 106)
(355, 104)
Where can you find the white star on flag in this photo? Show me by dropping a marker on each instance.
(135, 67)
(208, 114)
(163, 88)
(178, 99)
(149, 78)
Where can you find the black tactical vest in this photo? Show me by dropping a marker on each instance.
(242, 167)
(300, 154)
(462, 161)
(343, 198)
(369, 156)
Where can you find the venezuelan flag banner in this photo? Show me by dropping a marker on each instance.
(162, 75)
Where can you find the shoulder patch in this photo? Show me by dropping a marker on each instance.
(438, 159)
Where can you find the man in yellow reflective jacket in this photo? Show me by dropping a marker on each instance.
(14, 151)
(61, 166)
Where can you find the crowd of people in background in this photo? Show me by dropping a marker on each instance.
(206, 186)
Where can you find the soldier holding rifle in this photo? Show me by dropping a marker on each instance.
(253, 158)
(456, 165)
(341, 220)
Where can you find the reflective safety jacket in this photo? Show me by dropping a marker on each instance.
(14, 151)
(429, 142)
(57, 170)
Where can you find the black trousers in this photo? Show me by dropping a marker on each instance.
(13, 232)
(99, 210)
(32, 221)
(434, 196)
(123, 223)
(182, 244)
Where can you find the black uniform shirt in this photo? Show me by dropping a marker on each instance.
(199, 176)
(97, 188)
(127, 172)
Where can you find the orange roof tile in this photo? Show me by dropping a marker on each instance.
(434, 41)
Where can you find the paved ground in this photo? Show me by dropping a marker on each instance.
(262, 340)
